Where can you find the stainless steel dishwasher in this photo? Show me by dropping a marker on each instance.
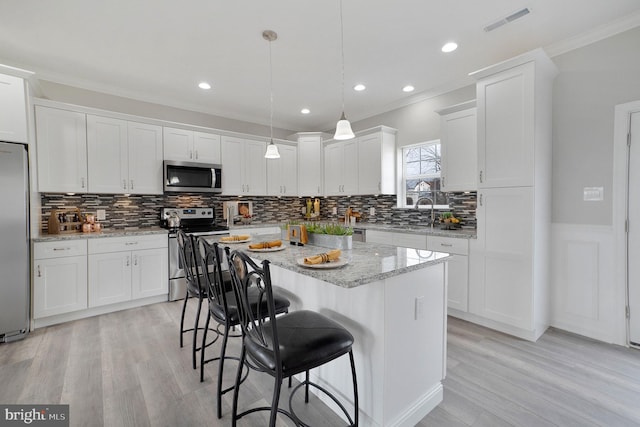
(359, 235)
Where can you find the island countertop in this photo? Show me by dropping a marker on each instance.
(366, 262)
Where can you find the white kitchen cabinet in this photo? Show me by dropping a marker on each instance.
(282, 173)
(244, 168)
(457, 273)
(509, 262)
(59, 277)
(341, 168)
(125, 268)
(191, 146)
(13, 109)
(310, 164)
(123, 157)
(377, 161)
(406, 240)
(62, 150)
(459, 149)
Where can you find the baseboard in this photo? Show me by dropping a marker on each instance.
(420, 408)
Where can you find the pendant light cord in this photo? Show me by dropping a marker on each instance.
(270, 95)
(342, 50)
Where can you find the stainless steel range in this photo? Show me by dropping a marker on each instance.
(195, 221)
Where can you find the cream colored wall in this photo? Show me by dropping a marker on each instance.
(73, 95)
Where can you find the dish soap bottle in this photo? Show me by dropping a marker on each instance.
(308, 208)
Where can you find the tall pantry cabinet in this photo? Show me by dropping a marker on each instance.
(509, 261)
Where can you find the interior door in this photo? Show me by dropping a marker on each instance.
(633, 236)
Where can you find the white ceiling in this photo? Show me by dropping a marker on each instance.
(159, 50)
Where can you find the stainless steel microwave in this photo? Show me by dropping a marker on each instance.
(192, 177)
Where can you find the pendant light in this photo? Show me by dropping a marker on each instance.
(272, 149)
(343, 127)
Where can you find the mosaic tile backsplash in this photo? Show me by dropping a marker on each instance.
(144, 211)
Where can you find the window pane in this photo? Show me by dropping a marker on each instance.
(412, 155)
(413, 169)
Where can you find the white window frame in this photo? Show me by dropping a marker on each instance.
(402, 194)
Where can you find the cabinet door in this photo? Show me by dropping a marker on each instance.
(350, 167)
(282, 172)
(206, 148)
(310, 160)
(459, 151)
(145, 158)
(232, 165)
(13, 109)
(255, 169)
(62, 150)
(369, 162)
(506, 128)
(149, 273)
(178, 144)
(59, 286)
(108, 162)
(457, 278)
(333, 169)
(501, 265)
(109, 278)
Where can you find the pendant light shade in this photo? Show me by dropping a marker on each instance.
(343, 127)
(272, 149)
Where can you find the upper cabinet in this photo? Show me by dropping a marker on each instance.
(360, 166)
(459, 149)
(244, 168)
(191, 146)
(282, 173)
(13, 109)
(62, 150)
(377, 161)
(310, 162)
(145, 158)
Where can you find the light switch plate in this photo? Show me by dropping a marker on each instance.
(419, 308)
(372, 211)
(593, 194)
(101, 214)
(334, 211)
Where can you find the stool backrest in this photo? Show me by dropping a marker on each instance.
(210, 259)
(188, 259)
(254, 296)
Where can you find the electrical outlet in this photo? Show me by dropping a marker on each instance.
(419, 308)
(334, 211)
(372, 211)
(101, 214)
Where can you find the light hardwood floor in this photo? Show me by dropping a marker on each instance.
(126, 369)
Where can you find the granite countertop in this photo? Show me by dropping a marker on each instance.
(367, 262)
(102, 234)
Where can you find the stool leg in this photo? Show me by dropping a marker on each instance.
(223, 350)
(355, 389)
(184, 309)
(236, 389)
(195, 331)
(203, 346)
(274, 402)
(306, 387)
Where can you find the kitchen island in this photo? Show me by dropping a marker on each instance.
(393, 301)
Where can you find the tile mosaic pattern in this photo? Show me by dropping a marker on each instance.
(138, 211)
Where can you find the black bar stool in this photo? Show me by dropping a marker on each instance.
(284, 346)
(224, 309)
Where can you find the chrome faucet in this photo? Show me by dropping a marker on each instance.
(433, 219)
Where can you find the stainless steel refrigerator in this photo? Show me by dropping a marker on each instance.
(14, 242)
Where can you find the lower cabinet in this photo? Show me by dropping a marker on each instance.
(59, 277)
(125, 268)
(457, 276)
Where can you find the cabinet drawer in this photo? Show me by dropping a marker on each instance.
(60, 248)
(448, 244)
(416, 241)
(119, 244)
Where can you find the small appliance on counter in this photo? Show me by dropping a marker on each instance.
(239, 212)
(194, 221)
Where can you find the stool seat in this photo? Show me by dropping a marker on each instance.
(307, 339)
(218, 312)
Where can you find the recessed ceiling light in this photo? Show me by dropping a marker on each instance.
(408, 88)
(449, 47)
(305, 111)
(359, 87)
(204, 85)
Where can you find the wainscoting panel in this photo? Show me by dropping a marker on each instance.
(585, 295)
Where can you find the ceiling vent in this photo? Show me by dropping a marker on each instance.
(503, 21)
